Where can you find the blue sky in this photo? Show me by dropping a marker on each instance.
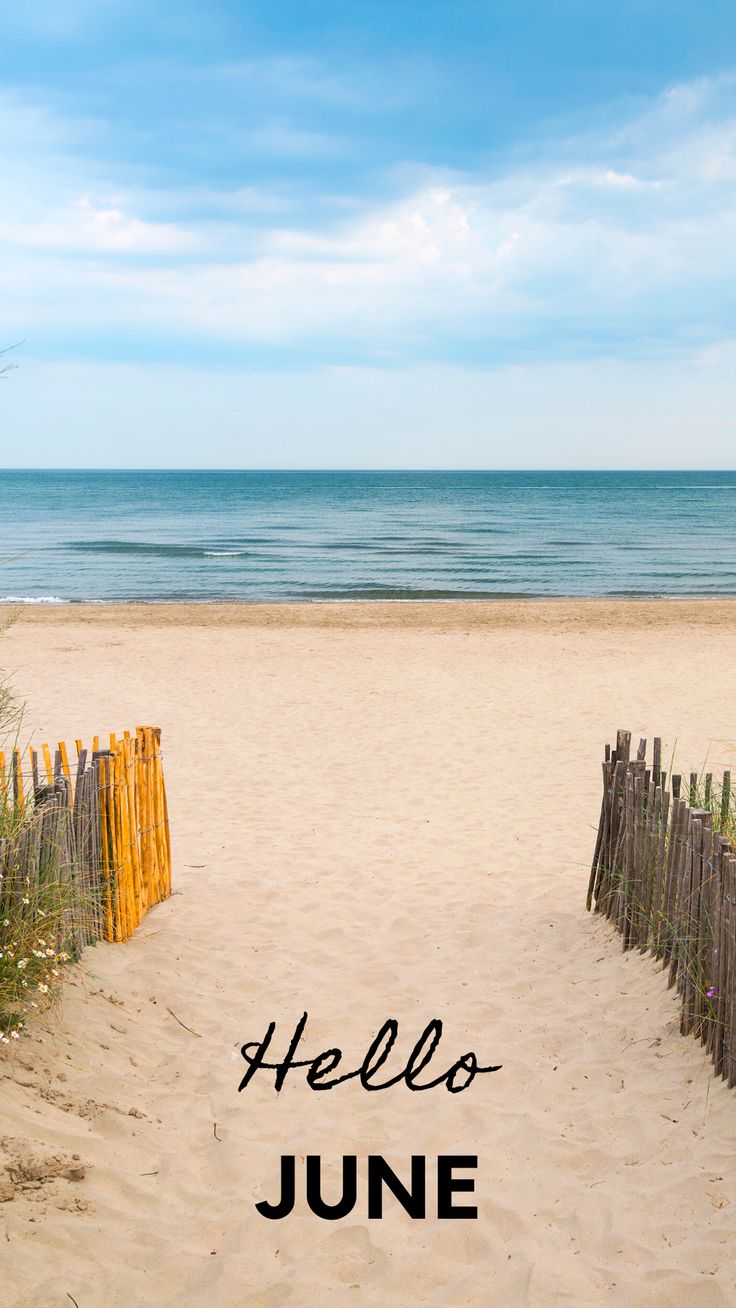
(399, 234)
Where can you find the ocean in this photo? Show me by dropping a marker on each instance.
(75, 536)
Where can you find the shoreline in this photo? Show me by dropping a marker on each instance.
(446, 614)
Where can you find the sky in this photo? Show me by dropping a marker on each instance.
(368, 234)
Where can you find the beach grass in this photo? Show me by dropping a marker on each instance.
(34, 915)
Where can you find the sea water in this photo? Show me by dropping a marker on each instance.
(70, 536)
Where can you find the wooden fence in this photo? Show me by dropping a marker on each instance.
(100, 824)
(664, 872)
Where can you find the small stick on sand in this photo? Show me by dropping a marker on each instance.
(186, 1028)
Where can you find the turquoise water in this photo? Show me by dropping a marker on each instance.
(102, 536)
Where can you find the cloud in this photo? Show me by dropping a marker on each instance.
(280, 138)
(301, 79)
(621, 241)
(98, 228)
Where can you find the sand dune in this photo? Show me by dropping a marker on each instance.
(376, 811)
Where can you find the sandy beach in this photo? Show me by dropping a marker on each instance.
(377, 810)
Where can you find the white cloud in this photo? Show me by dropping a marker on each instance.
(101, 227)
(606, 242)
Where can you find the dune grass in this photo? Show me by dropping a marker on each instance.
(711, 795)
(33, 914)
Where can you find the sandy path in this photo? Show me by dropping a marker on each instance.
(375, 816)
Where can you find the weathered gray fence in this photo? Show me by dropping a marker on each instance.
(55, 843)
(664, 872)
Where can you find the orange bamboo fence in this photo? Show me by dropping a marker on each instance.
(101, 823)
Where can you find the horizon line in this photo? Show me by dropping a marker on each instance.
(382, 471)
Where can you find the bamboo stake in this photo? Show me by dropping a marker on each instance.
(107, 846)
